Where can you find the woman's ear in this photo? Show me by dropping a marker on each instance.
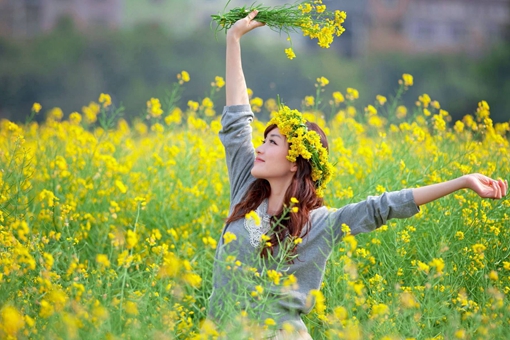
(293, 167)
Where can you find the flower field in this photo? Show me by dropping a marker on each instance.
(108, 229)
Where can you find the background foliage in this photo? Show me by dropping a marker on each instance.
(68, 69)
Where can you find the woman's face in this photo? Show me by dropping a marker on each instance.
(271, 161)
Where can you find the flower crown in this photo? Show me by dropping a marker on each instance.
(305, 143)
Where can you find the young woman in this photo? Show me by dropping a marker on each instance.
(288, 170)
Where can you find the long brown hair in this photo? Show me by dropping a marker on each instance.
(302, 188)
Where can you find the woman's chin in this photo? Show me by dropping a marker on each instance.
(256, 173)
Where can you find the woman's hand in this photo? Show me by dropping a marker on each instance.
(243, 26)
(486, 187)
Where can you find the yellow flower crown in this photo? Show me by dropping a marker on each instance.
(305, 143)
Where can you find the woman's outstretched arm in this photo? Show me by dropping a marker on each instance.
(235, 87)
(484, 186)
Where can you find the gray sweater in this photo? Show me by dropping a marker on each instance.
(230, 288)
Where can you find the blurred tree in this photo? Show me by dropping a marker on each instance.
(69, 69)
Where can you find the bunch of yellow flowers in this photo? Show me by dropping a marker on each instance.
(311, 17)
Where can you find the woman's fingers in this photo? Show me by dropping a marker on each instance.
(500, 188)
(497, 189)
(503, 186)
(252, 15)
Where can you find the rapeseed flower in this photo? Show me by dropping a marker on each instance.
(183, 77)
(407, 79)
(105, 99)
(36, 107)
(154, 107)
(229, 237)
(290, 53)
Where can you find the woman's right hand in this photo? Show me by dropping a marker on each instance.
(243, 26)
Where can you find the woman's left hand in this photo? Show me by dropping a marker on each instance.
(487, 187)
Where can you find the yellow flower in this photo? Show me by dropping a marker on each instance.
(121, 186)
(103, 260)
(256, 103)
(460, 334)
(423, 267)
(229, 237)
(371, 110)
(194, 280)
(56, 113)
(290, 53)
(338, 97)
(131, 308)
(154, 107)
(193, 106)
(309, 101)
(438, 264)
(12, 320)
(183, 77)
(401, 111)
(322, 81)
(320, 8)
(36, 107)
(350, 242)
(424, 99)
(341, 313)
(105, 99)
(252, 215)
(478, 248)
(320, 306)
(270, 322)
(219, 82)
(274, 276)
(258, 290)
(352, 93)
(380, 99)
(379, 310)
(305, 8)
(131, 239)
(294, 200)
(75, 118)
(408, 79)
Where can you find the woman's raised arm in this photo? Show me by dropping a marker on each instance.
(484, 186)
(235, 87)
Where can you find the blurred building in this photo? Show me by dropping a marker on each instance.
(409, 26)
(436, 26)
(26, 18)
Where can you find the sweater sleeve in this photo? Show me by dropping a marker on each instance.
(236, 137)
(372, 213)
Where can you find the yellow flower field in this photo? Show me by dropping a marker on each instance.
(108, 229)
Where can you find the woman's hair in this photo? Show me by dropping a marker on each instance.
(302, 188)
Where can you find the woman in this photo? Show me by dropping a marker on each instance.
(282, 181)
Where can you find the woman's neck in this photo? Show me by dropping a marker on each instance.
(274, 205)
(277, 197)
